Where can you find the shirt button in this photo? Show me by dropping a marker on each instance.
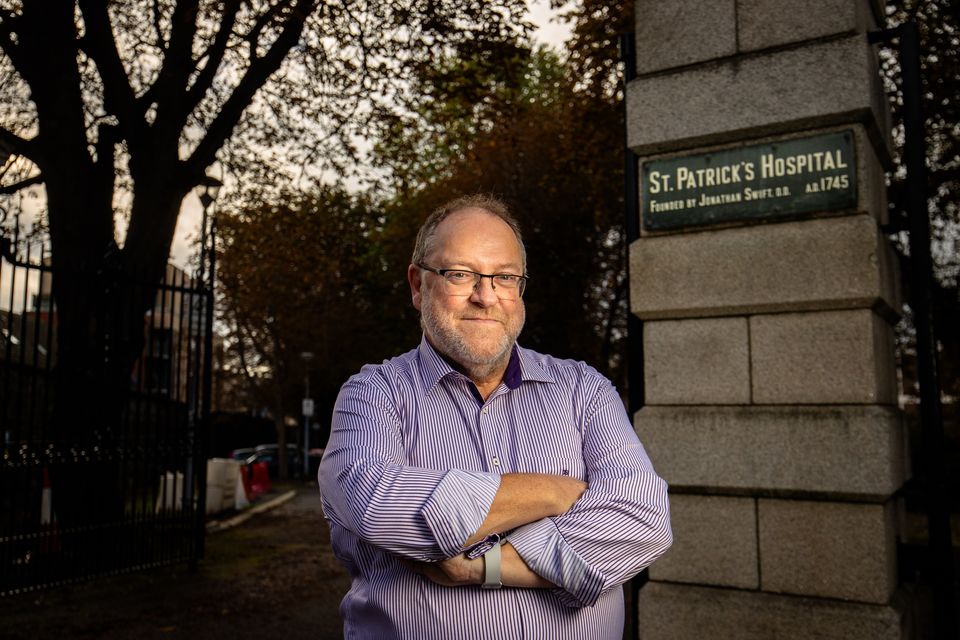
(485, 410)
(496, 461)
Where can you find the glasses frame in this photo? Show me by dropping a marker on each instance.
(521, 287)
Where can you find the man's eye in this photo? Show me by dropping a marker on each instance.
(506, 279)
(458, 276)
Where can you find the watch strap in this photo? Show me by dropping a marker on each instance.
(491, 568)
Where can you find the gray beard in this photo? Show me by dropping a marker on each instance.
(452, 345)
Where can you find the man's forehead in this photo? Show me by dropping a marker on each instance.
(466, 221)
(466, 224)
(477, 214)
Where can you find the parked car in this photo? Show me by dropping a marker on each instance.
(269, 453)
(241, 454)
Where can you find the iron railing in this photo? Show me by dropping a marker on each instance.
(124, 487)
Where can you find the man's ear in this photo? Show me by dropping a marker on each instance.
(415, 278)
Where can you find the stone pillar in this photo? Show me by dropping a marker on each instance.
(771, 395)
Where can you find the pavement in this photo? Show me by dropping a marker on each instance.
(268, 572)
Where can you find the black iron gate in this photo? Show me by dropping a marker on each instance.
(124, 489)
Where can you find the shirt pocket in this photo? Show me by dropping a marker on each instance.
(558, 465)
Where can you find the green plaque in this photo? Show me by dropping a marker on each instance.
(758, 182)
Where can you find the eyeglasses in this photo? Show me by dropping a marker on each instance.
(461, 282)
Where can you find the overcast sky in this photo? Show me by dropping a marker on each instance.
(550, 30)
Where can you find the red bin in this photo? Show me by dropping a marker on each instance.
(260, 479)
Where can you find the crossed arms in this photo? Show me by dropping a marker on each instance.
(580, 538)
(522, 498)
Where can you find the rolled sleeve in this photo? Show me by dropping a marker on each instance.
(458, 506)
(369, 488)
(542, 547)
(619, 526)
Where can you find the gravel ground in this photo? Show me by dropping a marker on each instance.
(274, 576)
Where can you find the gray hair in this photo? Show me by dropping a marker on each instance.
(486, 202)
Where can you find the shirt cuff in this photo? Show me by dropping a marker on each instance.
(543, 548)
(458, 506)
(478, 549)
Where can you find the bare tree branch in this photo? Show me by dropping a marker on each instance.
(107, 138)
(55, 86)
(23, 184)
(178, 62)
(258, 72)
(253, 35)
(12, 144)
(8, 23)
(155, 12)
(99, 44)
(214, 56)
(247, 375)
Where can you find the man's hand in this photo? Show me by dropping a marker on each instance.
(452, 572)
(459, 571)
(568, 491)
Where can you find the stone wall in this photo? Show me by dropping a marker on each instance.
(771, 393)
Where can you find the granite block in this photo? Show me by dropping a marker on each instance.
(854, 452)
(696, 361)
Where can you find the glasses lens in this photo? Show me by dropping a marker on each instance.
(465, 279)
(463, 283)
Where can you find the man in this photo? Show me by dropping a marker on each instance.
(477, 489)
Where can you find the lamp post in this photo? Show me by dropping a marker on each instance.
(307, 357)
(208, 188)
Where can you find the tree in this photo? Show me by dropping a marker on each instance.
(525, 130)
(138, 98)
(485, 118)
(594, 47)
(303, 275)
(938, 23)
(119, 108)
(98, 101)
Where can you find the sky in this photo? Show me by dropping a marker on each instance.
(549, 30)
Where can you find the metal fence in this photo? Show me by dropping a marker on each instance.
(123, 487)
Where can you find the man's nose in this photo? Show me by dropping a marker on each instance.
(484, 294)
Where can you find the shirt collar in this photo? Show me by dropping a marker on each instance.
(432, 365)
(530, 368)
(521, 367)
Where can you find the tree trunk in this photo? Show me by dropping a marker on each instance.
(101, 300)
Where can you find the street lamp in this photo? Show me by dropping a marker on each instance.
(307, 357)
(209, 188)
(207, 191)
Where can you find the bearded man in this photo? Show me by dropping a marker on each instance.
(477, 489)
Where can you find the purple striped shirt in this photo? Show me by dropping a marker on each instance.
(412, 466)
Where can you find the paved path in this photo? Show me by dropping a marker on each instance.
(273, 576)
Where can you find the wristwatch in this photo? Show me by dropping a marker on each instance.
(491, 568)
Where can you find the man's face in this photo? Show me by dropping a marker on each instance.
(477, 331)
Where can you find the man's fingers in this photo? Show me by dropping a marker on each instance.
(451, 572)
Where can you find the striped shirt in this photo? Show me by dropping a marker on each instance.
(412, 466)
